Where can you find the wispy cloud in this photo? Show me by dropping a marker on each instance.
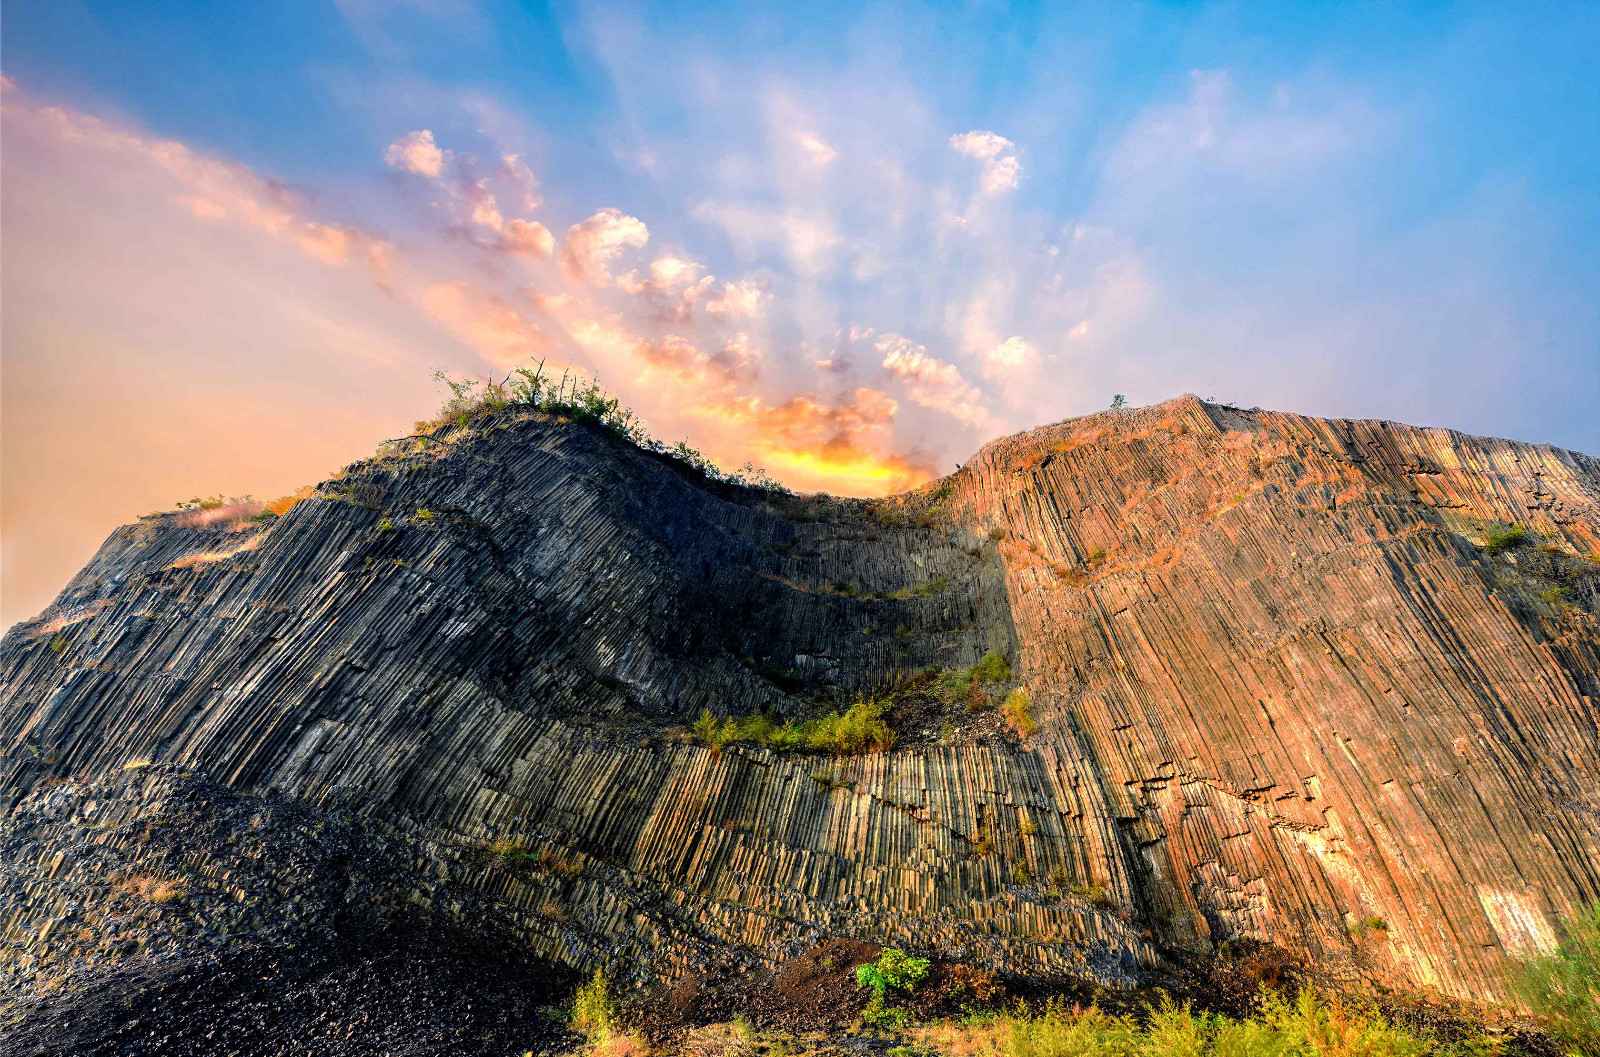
(933, 383)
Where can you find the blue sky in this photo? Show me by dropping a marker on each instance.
(850, 242)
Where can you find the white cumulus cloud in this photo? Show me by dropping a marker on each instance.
(996, 155)
(1011, 354)
(593, 244)
(416, 152)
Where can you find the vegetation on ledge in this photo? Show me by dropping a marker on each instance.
(572, 398)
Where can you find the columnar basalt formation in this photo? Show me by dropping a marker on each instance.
(1283, 692)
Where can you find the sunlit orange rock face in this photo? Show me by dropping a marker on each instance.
(1283, 690)
(1307, 695)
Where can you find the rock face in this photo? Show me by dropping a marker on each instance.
(1283, 692)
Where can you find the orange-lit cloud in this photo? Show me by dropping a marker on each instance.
(323, 334)
(809, 441)
(1012, 354)
(529, 238)
(208, 188)
(498, 332)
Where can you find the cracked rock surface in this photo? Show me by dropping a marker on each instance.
(1282, 691)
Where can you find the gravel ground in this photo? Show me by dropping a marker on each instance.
(393, 996)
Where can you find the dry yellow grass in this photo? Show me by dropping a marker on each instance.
(283, 504)
(955, 1039)
(153, 888)
(206, 557)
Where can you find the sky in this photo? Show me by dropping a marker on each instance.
(848, 243)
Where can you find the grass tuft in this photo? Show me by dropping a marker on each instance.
(1498, 541)
(861, 729)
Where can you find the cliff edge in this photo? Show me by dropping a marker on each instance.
(1283, 679)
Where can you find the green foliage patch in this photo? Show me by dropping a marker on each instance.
(1564, 988)
(860, 729)
(963, 684)
(1305, 1026)
(1498, 540)
(895, 970)
(594, 1012)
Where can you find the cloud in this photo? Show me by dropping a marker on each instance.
(809, 441)
(739, 356)
(513, 168)
(472, 201)
(208, 188)
(326, 243)
(1010, 355)
(806, 238)
(740, 299)
(815, 150)
(934, 383)
(487, 324)
(415, 152)
(592, 245)
(529, 238)
(997, 159)
(667, 270)
(677, 358)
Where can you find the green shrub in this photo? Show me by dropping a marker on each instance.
(860, 730)
(1564, 988)
(1375, 924)
(895, 970)
(580, 401)
(1555, 595)
(511, 852)
(992, 669)
(1498, 540)
(1094, 890)
(953, 684)
(1060, 1031)
(1018, 709)
(594, 1012)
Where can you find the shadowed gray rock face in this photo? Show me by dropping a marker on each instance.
(1279, 688)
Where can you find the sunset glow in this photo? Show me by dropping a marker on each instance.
(788, 247)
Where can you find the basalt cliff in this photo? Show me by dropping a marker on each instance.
(1289, 680)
